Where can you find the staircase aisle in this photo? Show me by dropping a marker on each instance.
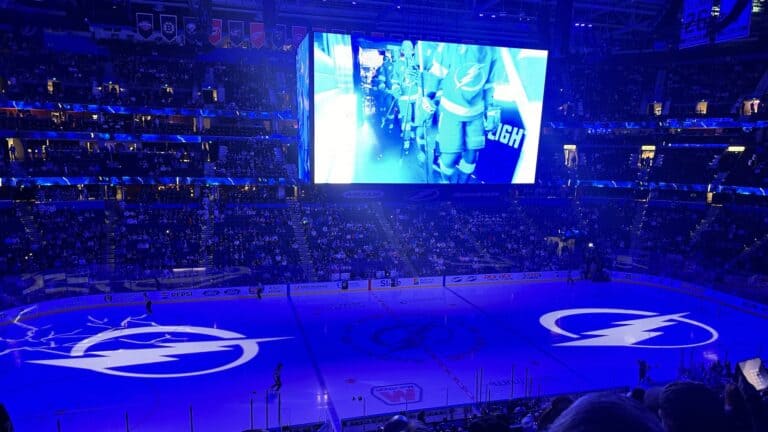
(301, 240)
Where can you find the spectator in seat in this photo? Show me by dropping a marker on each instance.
(556, 408)
(5, 420)
(606, 412)
(736, 413)
(690, 407)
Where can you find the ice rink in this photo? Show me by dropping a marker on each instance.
(349, 353)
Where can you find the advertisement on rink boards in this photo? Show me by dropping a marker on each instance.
(86, 301)
(251, 291)
(425, 281)
(350, 285)
(491, 278)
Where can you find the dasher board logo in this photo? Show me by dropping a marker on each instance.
(398, 394)
(170, 354)
(594, 330)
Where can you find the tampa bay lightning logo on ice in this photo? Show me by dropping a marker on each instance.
(645, 332)
(163, 350)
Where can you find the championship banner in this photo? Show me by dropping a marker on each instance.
(734, 20)
(298, 33)
(258, 36)
(145, 25)
(278, 36)
(236, 33)
(191, 31)
(217, 25)
(169, 27)
(694, 28)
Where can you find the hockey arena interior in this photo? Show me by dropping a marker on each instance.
(383, 215)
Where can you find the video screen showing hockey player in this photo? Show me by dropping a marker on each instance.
(303, 109)
(431, 112)
(335, 114)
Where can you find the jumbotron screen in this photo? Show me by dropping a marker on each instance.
(413, 111)
(303, 109)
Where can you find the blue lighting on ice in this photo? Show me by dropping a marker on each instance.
(416, 347)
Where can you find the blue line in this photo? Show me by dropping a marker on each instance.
(331, 407)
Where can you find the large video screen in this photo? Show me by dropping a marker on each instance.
(413, 111)
(303, 110)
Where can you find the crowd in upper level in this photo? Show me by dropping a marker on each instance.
(626, 89)
(129, 74)
(155, 77)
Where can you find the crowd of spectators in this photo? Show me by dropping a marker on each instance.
(433, 239)
(15, 250)
(723, 238)
(52, 120)
(613, 162)
(260, 238)
(690, 157)
(255, 158)
(68, 238)
(600, 91)
(349, 240)
(690, 82)
(748, 168)
(153, 238)
(158, 228)
(124, 73)
(252, 158)
(357, 240)
(68, 158)
(680, 165)
(72, 121)
(609, 223)
(624, 88)
(137, 230)
(710, 397)
(668, 230)
(151, 231)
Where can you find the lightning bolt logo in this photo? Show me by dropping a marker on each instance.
(626, 333)
(469, 77)
(109, 362)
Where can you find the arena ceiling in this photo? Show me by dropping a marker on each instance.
(603, 25)
(596, 23)
(522, 21)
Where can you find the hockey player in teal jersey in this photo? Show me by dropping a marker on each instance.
(463, 78)
(406, 87)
